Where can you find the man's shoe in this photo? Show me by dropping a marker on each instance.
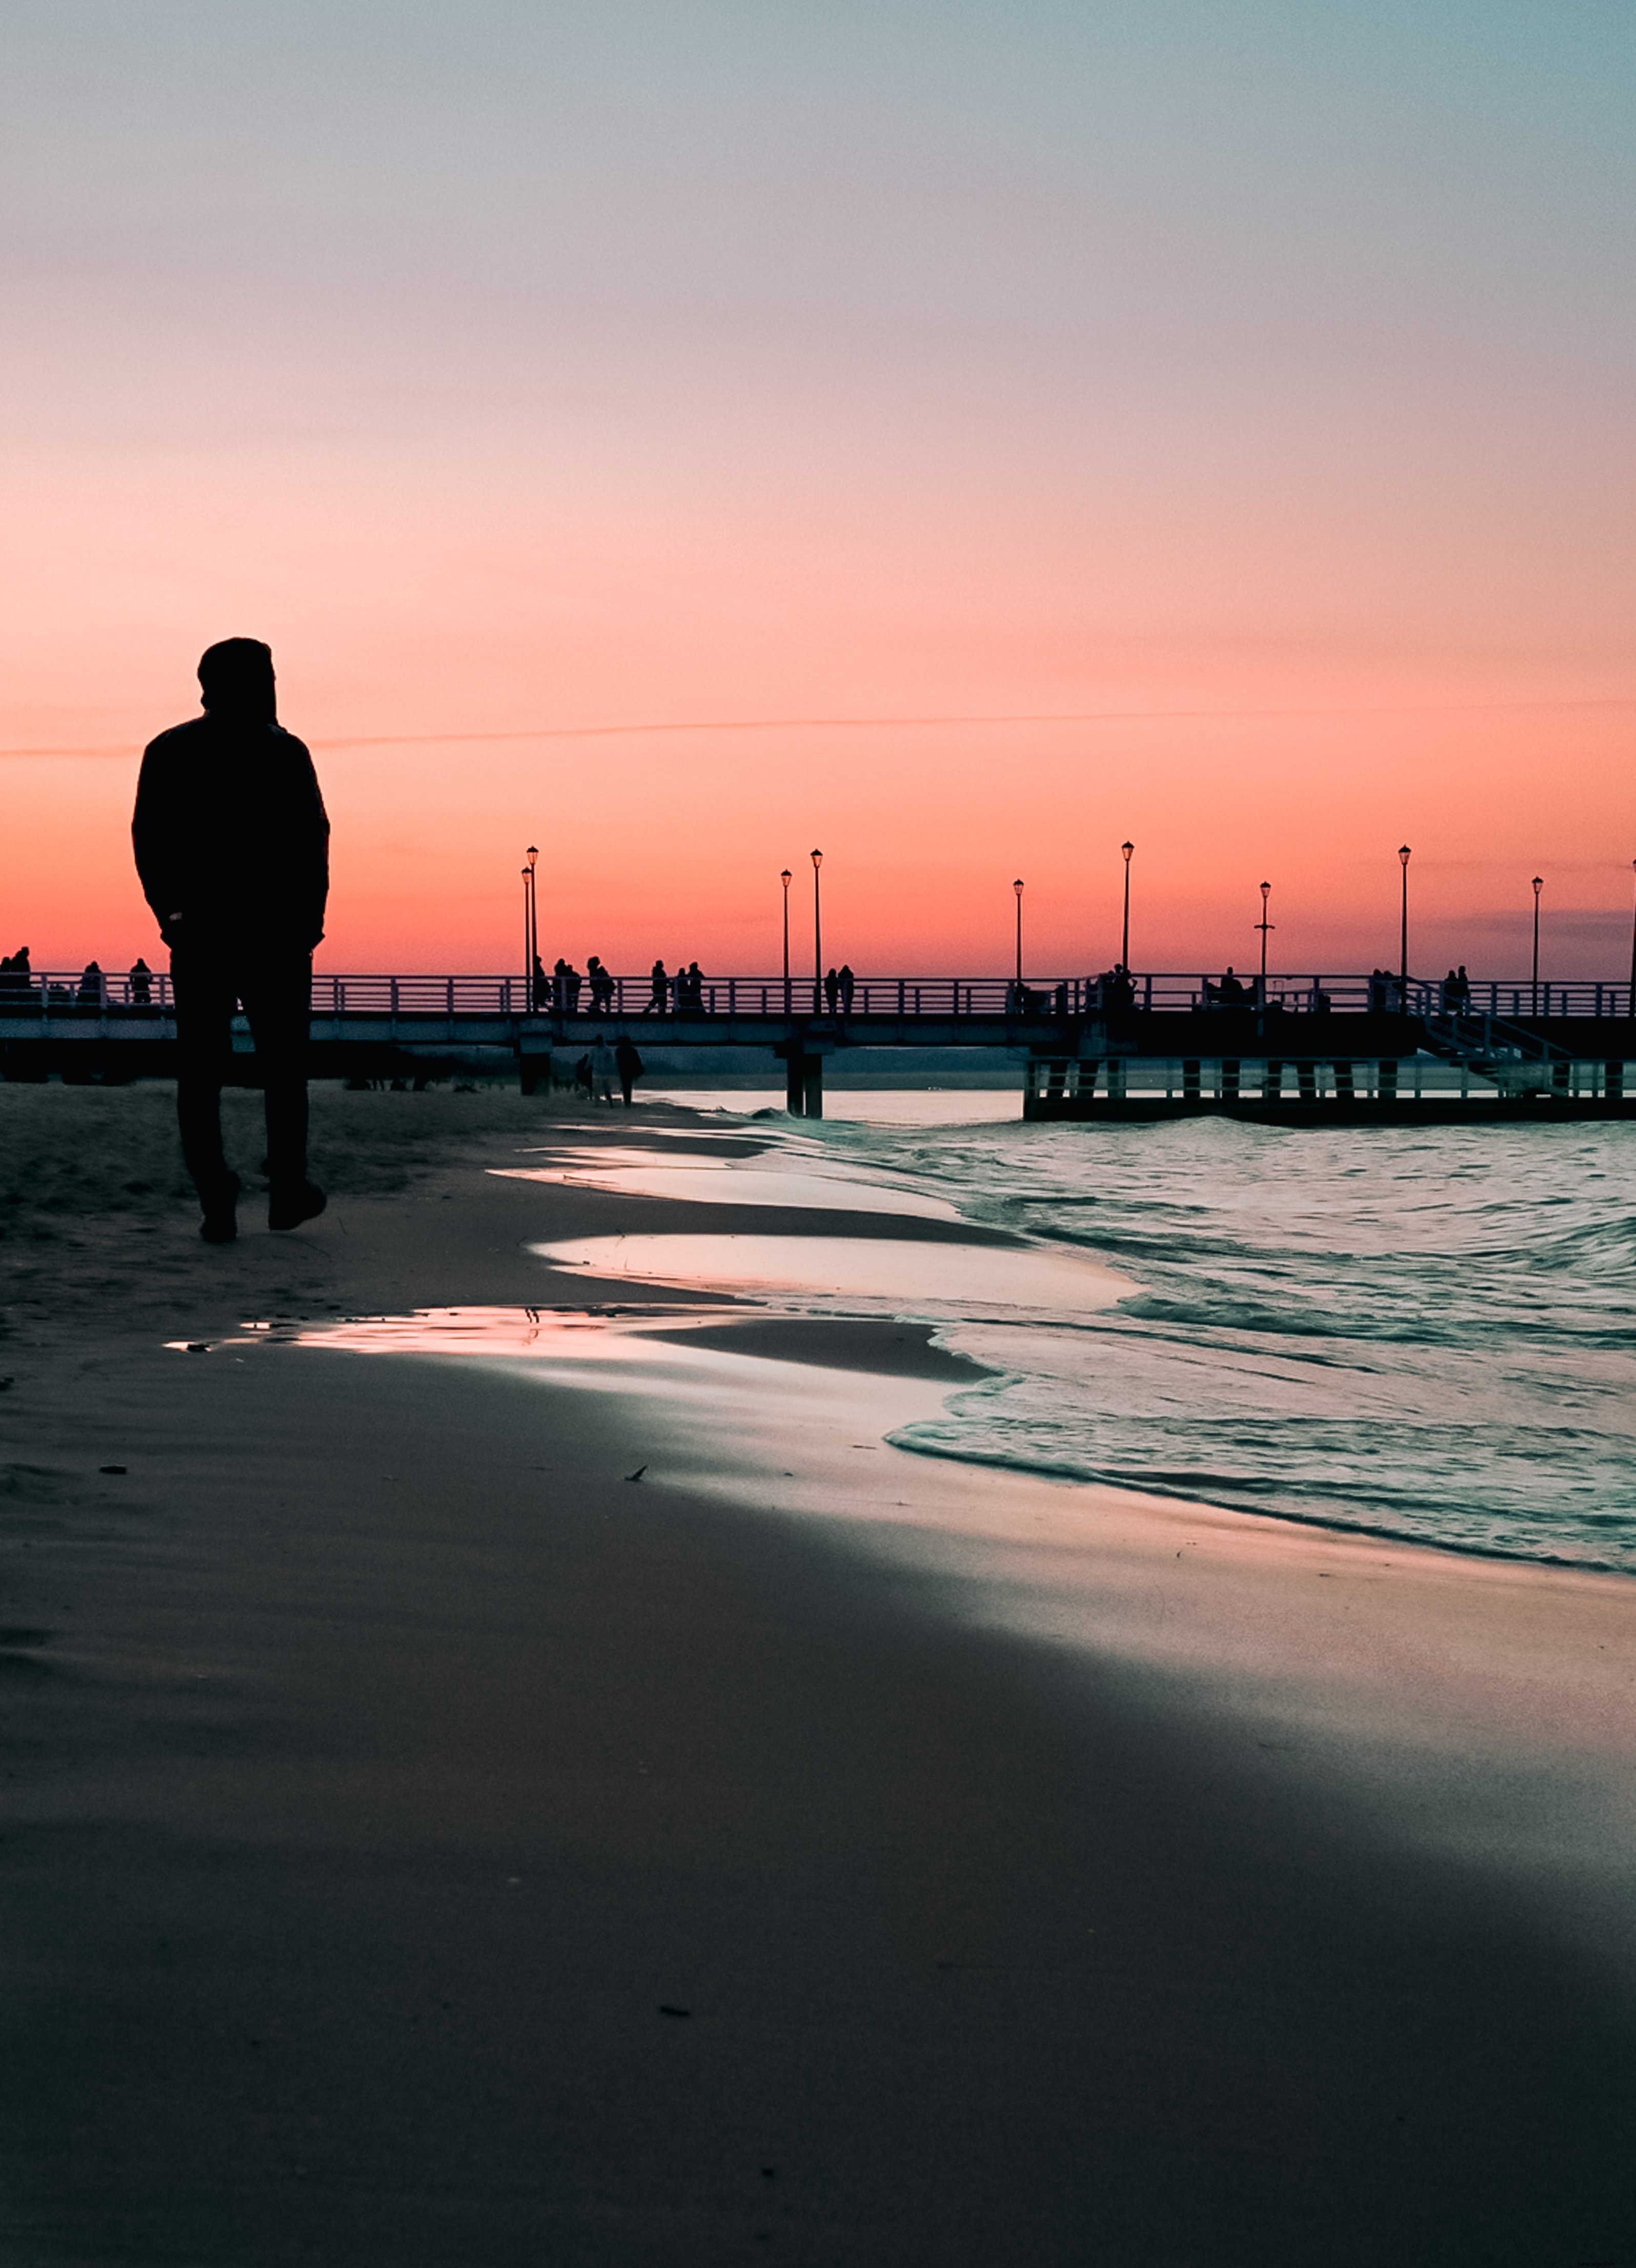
(288, 1208)
(220, 1224)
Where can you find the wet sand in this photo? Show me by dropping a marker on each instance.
(428, 1844)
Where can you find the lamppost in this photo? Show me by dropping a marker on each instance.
(817, 938)
(1403, 943)
(1540, 884)
(1634, 954)
(1017, 886)
(531, 926)
(1126, 849)
(784, 878)
(1264, 925)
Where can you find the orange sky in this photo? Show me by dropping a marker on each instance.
(1268, 406)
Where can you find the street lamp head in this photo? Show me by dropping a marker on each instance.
(817, 860)
(1404, 854)
(1266, 889)
(1018, 888)
(1126, 849)
(534, 853)
(1540, 884)
(785, 878)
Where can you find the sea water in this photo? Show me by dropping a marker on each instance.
(1422, 1332)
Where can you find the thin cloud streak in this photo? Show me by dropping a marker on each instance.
(906, 724)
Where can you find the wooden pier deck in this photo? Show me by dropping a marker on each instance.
(1309, 1048)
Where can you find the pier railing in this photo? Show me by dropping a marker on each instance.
(49, 994)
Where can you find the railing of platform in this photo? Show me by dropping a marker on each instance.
(632, 999)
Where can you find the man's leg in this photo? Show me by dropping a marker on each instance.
(205, 997)
(278, 995)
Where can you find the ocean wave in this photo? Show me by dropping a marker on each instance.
(1428, 1334)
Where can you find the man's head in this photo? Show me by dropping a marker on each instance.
(236, 678)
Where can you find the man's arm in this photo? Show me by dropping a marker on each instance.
(155, 832)
(310, 847)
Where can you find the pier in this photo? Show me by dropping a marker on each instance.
(1297, 1047)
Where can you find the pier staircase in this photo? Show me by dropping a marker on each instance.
(1511, 1057)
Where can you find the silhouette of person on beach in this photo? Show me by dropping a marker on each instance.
(660, 1000)
(232, 847)
(630, 1063)
(603, 1067)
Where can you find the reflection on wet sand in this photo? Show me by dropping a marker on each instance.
(723, 1180)
(828, 1272)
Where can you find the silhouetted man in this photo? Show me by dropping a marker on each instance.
(233, 846)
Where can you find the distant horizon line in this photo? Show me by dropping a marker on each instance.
(901, 724)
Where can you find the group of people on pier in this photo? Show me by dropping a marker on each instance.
(17, 982)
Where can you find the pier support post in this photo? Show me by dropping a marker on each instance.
(1613, 1088)
(794, 1094)
(1386, 1079)
(1307, 1081)
(1272, 1081)
(812, 1087)
(1229, 1078)
(1342, 1082)
(1190, 1080)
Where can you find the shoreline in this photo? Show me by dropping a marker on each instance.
(1014, 1844)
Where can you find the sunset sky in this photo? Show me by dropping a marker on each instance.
(957, 436)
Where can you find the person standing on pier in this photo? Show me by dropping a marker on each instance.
(232, 847)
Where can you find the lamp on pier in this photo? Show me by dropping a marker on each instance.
(1126, 849)
(817, 937)
(1403, 941)
(1017, 886)
(785, 878)
(1538, 884)
(1264, 925)
(531, 924)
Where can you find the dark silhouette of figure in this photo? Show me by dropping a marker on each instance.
(540, 988)
(573, 981)
(559, 985)
(604, 1063)
(90, 993)
(630, 1063)
(233, 846)
(1230, 992)
(660, 1000)
(1463, 1004)
(847, 982)
(832, 990)
(695, 986)
(601, 987)
(141, 983)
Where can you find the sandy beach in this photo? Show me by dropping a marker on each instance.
(429, 1842)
